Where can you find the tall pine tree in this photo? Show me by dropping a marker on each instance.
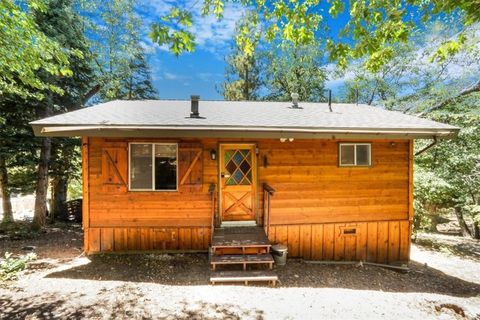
(61, 23)
(120, 57)
(243, 79)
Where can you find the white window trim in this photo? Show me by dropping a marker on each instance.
(153, 166)
(355, 154)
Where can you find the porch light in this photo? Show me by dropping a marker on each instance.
(213, 154)
(283, 139)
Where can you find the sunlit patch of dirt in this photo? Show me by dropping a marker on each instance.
(450, 244)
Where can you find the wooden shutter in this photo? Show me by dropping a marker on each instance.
(114, 168)
(190, 166)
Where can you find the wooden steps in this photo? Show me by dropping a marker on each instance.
(244, 247)
(244, 260)
(241, 240)
(244, 276)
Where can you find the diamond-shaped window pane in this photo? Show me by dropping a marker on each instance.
(245, 167)
(228, 155)
(245, 152)
(245, 181)
(238, 157)
(231, 167)
(230, 182)
(238, 176)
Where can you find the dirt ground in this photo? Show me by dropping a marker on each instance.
(62, 283)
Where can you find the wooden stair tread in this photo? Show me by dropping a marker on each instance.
(243, 276)
(248, 258)
(240, 237)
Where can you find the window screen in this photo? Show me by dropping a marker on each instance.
(141, 166)
(153, 166)
(363, 155)
(347, 154)
(355, 154)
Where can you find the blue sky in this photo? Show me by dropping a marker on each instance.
(202, 71)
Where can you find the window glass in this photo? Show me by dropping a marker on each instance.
(141, 166)
(347, 155)
(363, 155)
(165, 167)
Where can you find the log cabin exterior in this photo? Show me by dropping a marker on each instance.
(331, 185)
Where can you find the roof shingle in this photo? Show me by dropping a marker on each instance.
(240, 115)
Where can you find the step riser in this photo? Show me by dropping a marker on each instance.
(244, 277)
(240, 251)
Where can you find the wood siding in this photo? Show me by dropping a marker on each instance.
(313, 194)
(312, 188)
(382, 242)
(148, 239)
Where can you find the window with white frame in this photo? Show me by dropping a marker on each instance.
(355, 154)
(153, 166)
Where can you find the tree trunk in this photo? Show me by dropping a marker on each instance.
(471, 89)
(41, 189)
(5, 193)
(461, 221)
(59, 197)
(476, 230)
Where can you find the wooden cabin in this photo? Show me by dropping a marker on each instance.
(330, 182)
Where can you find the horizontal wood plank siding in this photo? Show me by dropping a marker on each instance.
(312, 188)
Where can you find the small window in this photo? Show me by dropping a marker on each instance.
(355, 154)
(153, 166)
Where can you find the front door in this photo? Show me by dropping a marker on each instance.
(237, 182)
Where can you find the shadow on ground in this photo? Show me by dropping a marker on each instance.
(193, 269)
(39, 307)
(123, 302)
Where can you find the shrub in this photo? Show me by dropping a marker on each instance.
(10, 266)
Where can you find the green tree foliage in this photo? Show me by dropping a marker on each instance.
(371, 31)
(296, 69)
(243, 78)
(256, 69)
(61, 23)
(26, 52)
(448, 176)
(137, 84)
(120, 58)
(411, 81)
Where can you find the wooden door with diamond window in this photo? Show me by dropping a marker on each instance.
(237, 182)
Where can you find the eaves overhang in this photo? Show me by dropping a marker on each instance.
(102, 130)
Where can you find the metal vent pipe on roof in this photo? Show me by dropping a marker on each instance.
(294, 96)
(194, 106)
(330, 100)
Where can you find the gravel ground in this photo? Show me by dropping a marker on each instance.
(62, 284)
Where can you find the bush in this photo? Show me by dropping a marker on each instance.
(10, 266)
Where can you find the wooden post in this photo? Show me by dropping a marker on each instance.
(212, 190)
(410, 181)
(410, 194)
(86, 197)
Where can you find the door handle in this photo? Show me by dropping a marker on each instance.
(223, 175)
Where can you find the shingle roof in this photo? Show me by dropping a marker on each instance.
(241, 116)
